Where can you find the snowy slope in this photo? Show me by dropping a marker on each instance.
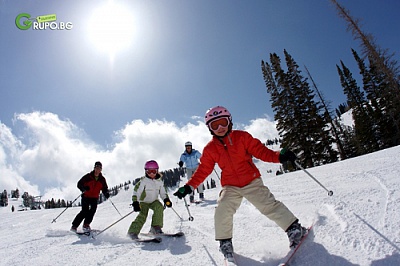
(358, 225)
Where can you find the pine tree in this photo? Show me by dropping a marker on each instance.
(327, 115)
(309, 114)
(374, 86)
(383, 66)
(298, 116)
(367, 140)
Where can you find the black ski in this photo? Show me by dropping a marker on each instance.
(89, 233)
(149, 240)
(83, 233)
(178, 234)
(197, 202)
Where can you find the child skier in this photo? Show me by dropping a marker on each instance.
(233, 150)
(145, 197)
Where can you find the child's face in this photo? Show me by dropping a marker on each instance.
(151, 173)
(220, 126)
(221, 131)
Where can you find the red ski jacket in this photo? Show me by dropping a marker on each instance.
(234, 155)
(94, 185)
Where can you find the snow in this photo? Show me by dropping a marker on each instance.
(358, 225)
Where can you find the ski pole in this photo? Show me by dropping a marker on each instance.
(114, 206)
(113, 224)
(216, 174)
(330, 192)
(187, 208)
(54, 220)
(177, 214)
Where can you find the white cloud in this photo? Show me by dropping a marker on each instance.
(53, 154)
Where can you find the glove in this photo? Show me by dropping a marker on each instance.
(183, 191)
(287, 155)
(85, 188)
(136, 206)
(180, 164)
(106, 194)
(167, 203)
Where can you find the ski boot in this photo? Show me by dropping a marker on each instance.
(295, 233)
(226, 247)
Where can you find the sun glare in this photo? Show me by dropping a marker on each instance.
(111, 28)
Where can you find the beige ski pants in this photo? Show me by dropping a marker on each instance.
(257, 194)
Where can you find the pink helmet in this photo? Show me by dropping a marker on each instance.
(217, 112)
(151, 165)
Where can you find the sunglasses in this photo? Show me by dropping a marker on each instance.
(151, 171)
(221, 122)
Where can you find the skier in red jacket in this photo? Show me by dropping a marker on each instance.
(90, 184)
(233, 151)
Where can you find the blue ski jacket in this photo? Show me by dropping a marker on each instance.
(191, 160)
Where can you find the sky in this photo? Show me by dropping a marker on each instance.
(128, 89)
(358, 225)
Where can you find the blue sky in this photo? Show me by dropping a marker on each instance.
(184, 57)
(66, 98)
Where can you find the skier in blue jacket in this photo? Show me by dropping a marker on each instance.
(190, 157)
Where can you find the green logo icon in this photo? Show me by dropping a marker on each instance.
(27, 23)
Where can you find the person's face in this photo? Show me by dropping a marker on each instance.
(152, 173)
(220, 126)
(97, 170)
(188, 149)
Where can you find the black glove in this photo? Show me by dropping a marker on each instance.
(183, 191)
(136, 206)
(180, 164)
(167, 203)
(287, 155)
(106, 194)
(85, 188)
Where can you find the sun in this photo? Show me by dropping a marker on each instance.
(111, 28)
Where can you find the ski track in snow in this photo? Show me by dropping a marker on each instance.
(358, 225)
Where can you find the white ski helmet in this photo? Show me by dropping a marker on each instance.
(188, 143)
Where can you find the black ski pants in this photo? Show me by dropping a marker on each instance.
(89, 207)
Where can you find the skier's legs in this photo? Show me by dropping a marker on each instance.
(200, 188)
(189, 173)
(83, 213)
(92, 210)
(262, 198)
(138, 223)
(158, 213)
(229, 201)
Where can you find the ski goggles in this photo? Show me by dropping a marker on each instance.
(220, 122)
(151, 171)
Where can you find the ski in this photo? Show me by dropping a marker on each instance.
(197, 202)
(291, 253)
(89, 233)
(178, 234)
(149, 240)
(83, 233)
